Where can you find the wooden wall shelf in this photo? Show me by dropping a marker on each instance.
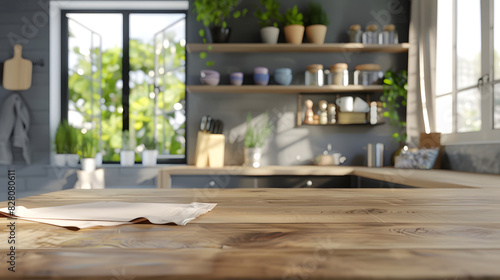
(303, 48)
(283, 89)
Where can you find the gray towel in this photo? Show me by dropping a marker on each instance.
(15, 122)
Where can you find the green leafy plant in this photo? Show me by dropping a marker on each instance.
(149, 143)
(270, 16)
(126, 141)
(66, 139)
(393, 100)
(256, 135)
(293, 16)
(89, 145)
(316, 15)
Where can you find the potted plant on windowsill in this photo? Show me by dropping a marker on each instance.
(255, 137)
(89, 150)
(127, 154)
(394, 102)
(269, 19)
(66, 145)
(316, 21)
(150, 153)
(294, 26)
(214, 14)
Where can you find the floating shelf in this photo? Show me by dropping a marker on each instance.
(310, 48)
(283, 89)
(344, 124)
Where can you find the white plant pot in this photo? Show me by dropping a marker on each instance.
(72, 160)
(127, 158)
(60, 160)
(98, 159)
(149, 157)
(252, 157)
(88, 164)
(269, 34)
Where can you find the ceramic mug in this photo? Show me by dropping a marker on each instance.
(338, 158)
(346, 103)
(360, 105)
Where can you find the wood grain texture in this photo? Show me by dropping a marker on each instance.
(429, 233)
(410, 177)
(306, 47)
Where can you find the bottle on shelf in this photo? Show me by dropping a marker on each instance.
(309, 116)
(323, 115)
(355, 33)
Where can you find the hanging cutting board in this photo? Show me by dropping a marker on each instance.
(17, 71)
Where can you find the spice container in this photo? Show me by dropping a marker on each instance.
(368, 74)
(332, 113)
(370, 36)
(355, 33)
(314, 75)
(338, 75)
(389, 35)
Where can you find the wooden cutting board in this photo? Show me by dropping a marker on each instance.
(17, 71)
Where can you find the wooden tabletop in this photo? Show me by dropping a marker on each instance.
(272, 234)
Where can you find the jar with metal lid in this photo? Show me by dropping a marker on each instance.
(370, 36)
(338, 75)
(314, 75)
(368, 74)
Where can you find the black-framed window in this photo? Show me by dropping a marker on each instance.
(123, 76)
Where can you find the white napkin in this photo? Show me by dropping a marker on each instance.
(110, 213)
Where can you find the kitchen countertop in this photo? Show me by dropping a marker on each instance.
(435, 178)
(427, 233)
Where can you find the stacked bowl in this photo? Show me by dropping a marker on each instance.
(209, 77)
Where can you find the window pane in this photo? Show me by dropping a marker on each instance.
(469, 110)
(94, 78)
(157, 76)
(496, 37)
(444, 56)
(444, 111)
(496, 108)
(468, 43)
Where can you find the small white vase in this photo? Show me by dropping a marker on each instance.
(60, 160)
(269, 34)
(149, 157)
(72, 160)
(127, 158)
(88, 164)
(252, 157)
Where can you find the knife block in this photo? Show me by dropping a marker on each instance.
(210, 150)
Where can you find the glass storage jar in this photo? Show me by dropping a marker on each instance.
(314, 75)
(338, 75)
(355, 33)
(370, 36)
(389, 35)
(368, 74)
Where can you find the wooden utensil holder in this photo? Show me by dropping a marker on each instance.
(210, 150)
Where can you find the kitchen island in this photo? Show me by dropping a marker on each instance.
(423, 233)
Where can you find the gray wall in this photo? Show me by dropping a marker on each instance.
(289, 145)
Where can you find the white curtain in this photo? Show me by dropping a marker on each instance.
(420, 115)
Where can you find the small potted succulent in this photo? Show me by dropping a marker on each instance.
(316, 20)
(89, 150)
(269, 19)
(127, 154)
(255, 137)
(214, 14)
(150, 153)
(294, 26)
